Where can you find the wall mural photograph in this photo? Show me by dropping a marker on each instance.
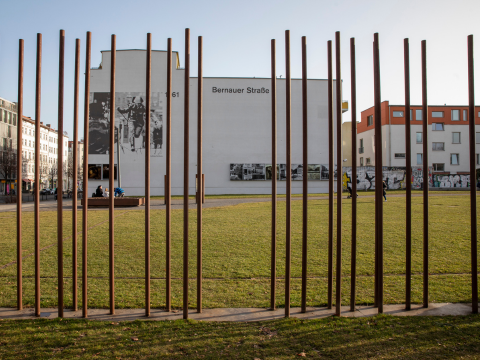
(129, 122)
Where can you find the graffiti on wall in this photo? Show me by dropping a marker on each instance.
(395, 178)
(451, 180)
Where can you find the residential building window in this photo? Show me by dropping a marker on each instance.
(14, 120)
(477, 137)
(465, 115)
(361, 149)
(438, 127)
(370, 120)
(361, 160)
(478, 159)
(398, 114)
(10, 118)
(455, 115)
(437, 114)
(438, 167)
(4, 116)
(454, 159)
(419, 159)
(368, 161)
(478, 114)
(438, 146)
(399, 155)
(420, 137)
(456, 138)
(411, 114)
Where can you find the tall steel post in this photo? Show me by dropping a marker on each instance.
(199, 173)
(85, 176)
(111, 158)
(19, 174)
(61, 69)
(426, 182)
(338, 88)
(330, 175)
(305, 175)
(288, 174)
(408, 164)
(273, 266)
(168, 179)
(38, 103)
(354, 175)
(148, 91)
(473, 175)
(186, 128)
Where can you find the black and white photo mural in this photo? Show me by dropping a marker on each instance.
(129, 123)
(264, 172)
(325, 172)
(313, 172)
(297, 172)
(236, 171)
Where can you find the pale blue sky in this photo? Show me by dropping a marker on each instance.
(237, 41)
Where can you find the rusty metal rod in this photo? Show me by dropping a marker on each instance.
(273, 267)
(168, 178)
(60, 172)
(85, 176)
(148, 91)
(330, 175)
(378, 175)
(288, 174)
(111, 157)
(338, 88)
(186, 150)
(426, 182)
(19, 174)
(473, 176)
(354, 175)
(408, 164)
(38, 103)
(375, 301)
(305, 175)
(75, 177)
(199, 173)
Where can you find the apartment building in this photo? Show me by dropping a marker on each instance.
(8, 142)
(447, 137)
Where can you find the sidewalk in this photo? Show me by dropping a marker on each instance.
(239, 314)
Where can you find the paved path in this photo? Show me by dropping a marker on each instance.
(240, 314)
(51, 205)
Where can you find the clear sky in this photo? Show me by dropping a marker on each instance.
(237, 36)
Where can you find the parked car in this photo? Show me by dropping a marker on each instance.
(45, 192)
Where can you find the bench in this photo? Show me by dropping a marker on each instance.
(118, 201)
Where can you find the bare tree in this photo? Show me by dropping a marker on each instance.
(8, 164)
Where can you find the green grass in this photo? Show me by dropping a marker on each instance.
(346, 338)
(236, 254)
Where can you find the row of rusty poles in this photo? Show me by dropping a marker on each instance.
(378, 169)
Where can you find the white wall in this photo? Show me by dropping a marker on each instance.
(236, 128)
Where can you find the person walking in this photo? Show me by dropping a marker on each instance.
(385, 190)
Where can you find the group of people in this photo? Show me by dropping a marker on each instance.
(118, 192)
(384, 191)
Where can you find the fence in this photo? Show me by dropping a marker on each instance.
(409, 173)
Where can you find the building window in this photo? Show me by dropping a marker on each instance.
(419, 137)
(411, 114)
(456, 138)
(438, 146)
(455, 115)
(438, 127)
(399, 155)
(437, 114)
(418, 115)
(479, 114)
(361, 149)
(398, 114)
(419, 159)
(14, 120)
(454, 159)
(370, 120)
(465, 115)
(438, 167)
(477, 137)
(361, 160)
(478, 159)
(368, 161)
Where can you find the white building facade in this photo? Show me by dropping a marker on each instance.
(236, 129)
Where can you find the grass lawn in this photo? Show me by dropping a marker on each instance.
(236, 254)
(360, 338)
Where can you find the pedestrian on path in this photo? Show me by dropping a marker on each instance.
(385, 190)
